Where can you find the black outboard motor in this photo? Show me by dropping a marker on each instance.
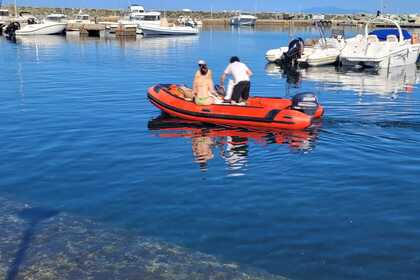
(10, 31)
(294, 52)
(305, 102)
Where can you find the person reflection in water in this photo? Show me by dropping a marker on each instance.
(236, 153)
(233, 149)
(202, 150)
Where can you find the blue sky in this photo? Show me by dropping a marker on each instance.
(395, 6)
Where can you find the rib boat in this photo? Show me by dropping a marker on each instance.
(259, 112)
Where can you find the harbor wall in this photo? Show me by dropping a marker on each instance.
(215, 18)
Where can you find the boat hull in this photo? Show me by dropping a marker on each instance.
(403, 56)
(168, 31)
(243, 22)
(42, 29)
(260, 112)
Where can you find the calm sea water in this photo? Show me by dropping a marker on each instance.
(338, 202)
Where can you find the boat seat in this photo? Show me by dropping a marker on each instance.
(391, 38)
(372, 39)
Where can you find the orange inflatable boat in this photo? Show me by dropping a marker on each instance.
(264, 112)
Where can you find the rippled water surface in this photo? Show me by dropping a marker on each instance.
(338, 202)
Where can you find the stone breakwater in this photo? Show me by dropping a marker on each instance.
(215, 18)
(38, 243)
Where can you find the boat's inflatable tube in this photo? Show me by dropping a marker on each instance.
(262, 112)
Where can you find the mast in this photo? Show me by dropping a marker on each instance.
(16, 15)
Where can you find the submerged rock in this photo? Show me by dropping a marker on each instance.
(38, 243)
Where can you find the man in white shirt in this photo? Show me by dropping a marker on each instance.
(241, 76)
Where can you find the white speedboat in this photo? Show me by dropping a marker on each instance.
(324, 52)
(382, 48)
(169, 30)
(51, 25)
(243, 20)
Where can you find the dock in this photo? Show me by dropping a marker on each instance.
(92, 30)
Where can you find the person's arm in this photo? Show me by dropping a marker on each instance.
(223, 77)
(249, 72)
(194, 87)
(211, 84)
(222, 80)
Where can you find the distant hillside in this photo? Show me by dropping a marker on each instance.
(332, 10)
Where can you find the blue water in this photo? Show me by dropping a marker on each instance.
(338, 202)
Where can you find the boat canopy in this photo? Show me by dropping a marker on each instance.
(383, 33)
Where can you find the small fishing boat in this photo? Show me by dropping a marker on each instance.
(51, 25)
(243, 20)
(259, 112)
(151, 30)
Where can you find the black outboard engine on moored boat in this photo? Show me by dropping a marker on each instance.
(305, 102)
(10, 30)
(294, 52)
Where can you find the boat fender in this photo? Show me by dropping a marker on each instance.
(305, 102)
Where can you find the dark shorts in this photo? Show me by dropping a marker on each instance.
(241, 91)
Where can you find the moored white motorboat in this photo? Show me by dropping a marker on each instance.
(150, 30)
(51, 25)
(382, 48)
(324, 51)
(243, 20)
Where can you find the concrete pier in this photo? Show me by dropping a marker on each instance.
(91, 30)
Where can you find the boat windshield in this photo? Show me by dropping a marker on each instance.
(146, 18)
(55, 18)
(83, 17)
(151, 18)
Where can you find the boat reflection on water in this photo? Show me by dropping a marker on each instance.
(233, 143)
(388, 82)
(44, 41)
